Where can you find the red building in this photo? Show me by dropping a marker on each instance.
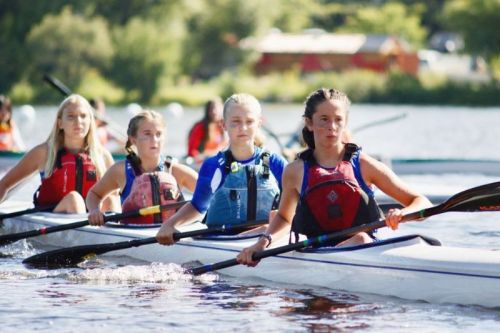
(319, 51)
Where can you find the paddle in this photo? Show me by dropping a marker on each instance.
(26, 211)
(275, 137)
(10, 238)
(65, 91)
(477, 199)
(71, 256)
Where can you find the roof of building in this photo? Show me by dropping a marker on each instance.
(320, 42)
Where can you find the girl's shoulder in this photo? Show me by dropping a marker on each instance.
(294, 172)
(179, 167)
(39, 150)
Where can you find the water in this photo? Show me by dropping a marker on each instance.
(124, 295)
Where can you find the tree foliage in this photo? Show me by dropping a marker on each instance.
(138, 45)
(391, 18)
(144, 53)
(477, 21)
(67, 45)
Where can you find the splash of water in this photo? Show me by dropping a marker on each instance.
(152, 273)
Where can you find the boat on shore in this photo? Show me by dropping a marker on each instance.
(411, 267)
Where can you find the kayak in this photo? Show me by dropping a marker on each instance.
(411, 267)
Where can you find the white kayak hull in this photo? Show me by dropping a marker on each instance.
(408, 267)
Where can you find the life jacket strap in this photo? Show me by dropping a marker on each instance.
(169, 160)
(155, 191)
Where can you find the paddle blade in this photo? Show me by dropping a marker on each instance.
(67, 257)
(481, 198)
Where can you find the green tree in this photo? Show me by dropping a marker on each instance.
(216, 27)
(390, 18)
(67, 45)
(16, 20)
(477, 21)
(145, 52)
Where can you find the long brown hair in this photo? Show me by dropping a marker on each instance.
(209, 106)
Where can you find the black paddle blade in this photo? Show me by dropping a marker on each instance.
(67, 257)
(481, 198)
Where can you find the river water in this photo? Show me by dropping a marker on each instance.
(124, 295)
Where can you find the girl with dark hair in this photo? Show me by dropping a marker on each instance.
(329, 187)
(206, 137)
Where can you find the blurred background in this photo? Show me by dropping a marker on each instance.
(157, 52)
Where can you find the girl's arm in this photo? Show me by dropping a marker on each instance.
(376, 173)
(185, 176)
(292, 182)
(31, 162)
(187, 213)
(111, 182)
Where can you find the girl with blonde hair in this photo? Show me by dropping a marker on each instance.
(146, 177)
(239, 184)
(70, 161)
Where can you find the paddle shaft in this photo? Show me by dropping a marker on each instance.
(108, 247)
(10, 238)
(73, 255)
(65, 91)
(26, 211)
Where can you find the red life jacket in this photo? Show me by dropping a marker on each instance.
(333, 199)
(6, 137)
(73, 172)
(149, 189)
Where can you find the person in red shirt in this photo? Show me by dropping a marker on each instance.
(207, 137)
(10, 138)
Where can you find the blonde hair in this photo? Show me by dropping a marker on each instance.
(246, 100)
(133, 128)
(55, 141)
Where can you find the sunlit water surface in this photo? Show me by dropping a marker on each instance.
(129, 296)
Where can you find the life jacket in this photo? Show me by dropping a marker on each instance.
(6, 137)
(72, 172)
(149, 189)
(333, 199)
(195, 139)
(248, 192)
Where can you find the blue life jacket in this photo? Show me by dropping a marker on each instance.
(249, 192)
